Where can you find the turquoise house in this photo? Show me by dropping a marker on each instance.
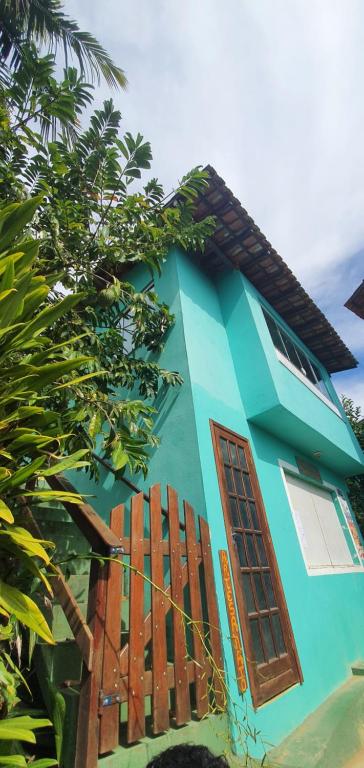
(257, 441)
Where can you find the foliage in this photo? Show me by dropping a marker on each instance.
(32, 440)
(92, 226)
(356, 484)
(43, 22)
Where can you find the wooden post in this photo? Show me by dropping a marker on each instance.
(87, 743)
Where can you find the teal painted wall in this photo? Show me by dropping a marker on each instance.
(327, 612)
(222, 348)
(275, 398)
(176, 460)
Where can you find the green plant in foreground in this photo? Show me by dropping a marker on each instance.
(32, 440)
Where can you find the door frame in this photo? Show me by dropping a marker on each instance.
(284, 681)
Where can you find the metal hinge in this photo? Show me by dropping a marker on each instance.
(108, 699)
(116, 550)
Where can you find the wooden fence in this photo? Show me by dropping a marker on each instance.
(162, 652)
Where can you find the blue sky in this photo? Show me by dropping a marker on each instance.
(269, 92)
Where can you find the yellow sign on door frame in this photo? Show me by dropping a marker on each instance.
(233, 621)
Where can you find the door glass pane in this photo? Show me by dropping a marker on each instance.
(247, 587)
(224, 450)
(257, 643)
(234, 454)
(229, 480)
(244, 514)
(248, 487)
(267, 637)
(261, 551)
(269, 590)
(240, 548)
(242, 457)
(238, 482)
(259, 591)
(235, 519)
(254, 516)
(251, 550)
(278, 634)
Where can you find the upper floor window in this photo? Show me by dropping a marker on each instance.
(284, 344)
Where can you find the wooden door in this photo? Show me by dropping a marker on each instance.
(271, 654)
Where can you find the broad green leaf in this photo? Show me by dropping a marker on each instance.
(119, 457)
(18, 761)
(44, 762)
(80, 379)
(5, 513)
(21, 728)
(27, 542)
(48, 316)
(21, 475)
(25, 610)
(70, 498)
(70, 462)
(14, 218)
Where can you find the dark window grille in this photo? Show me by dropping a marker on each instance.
(295, 354)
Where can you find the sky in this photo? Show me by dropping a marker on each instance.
(271, 93)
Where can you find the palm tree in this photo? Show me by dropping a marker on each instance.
(44, 23)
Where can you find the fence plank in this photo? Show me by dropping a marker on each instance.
(110, 683)
(160, 697)
(136, 716)
(182, 693)
(201, 680)
(148, 621)
(87, 741)
(215, 639)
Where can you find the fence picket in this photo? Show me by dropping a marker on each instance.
(214, 625)
(110, 682)
(136, 714)
(202, 702)
(182, 693)
(160, 696)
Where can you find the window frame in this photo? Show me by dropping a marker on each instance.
(330, 570)
(319, 386)
(285, 671)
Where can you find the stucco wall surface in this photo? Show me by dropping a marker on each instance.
(327, 612)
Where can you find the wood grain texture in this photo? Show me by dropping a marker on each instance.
(110, 683)
(213, 612)
(201, 680)
(160, 697)
(136, 716)
(182, 693)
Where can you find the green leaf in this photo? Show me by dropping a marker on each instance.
(5, 513)
(44, 762)
(119, 457)
(47, 317)
(21, 728)
(27, 612)
(70, 462)
(18, 761)
(13, 219)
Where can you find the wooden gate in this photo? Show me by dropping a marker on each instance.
(160, 657)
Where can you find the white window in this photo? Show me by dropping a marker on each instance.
(322, 539)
